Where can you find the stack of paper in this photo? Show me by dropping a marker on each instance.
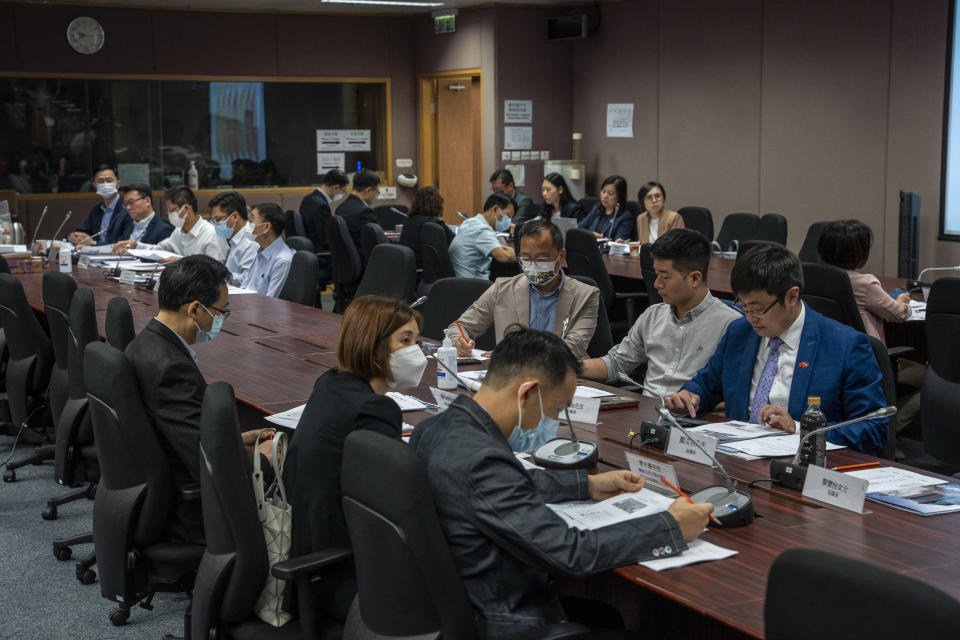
(152, 254)
(735, 430)
(409, 403)
(589, 515)
(584, 391)
(772, 446)
(918, 310)
(893, 479)
(288, 419)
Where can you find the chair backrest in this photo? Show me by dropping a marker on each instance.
(889, 383)
(772, 227)
(119, 323)
(584, 259)
(746, 245)
(589, 203)
(448, 299)
(941, 383)
(300, 243)
(303, 278)
(371, 234)
(293, 224)
(30, 352)
(390, 215)
(398, 544)
(58, 290)
(602, 340)
(815, 594)
(435, 253)
(632, 206)
(828, 291)
(808, 252)
(4, 267)
(739, 227)
(699, 219)
(234, 565)
(649, 274)
(344, 257)
(392, 272)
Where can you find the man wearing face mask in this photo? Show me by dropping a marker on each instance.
(228, 212)
(541, 297)
(272, 264)
(316, 208)
(108, 221)
(193, 304)
(476, 243)
(192, 234)
(506, 543)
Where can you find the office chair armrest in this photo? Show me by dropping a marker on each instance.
(189, 492)
(897, 352)
(323, 254)
(551, 632)
(310, 564)
(629, 295)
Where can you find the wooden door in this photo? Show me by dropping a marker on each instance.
(458, 145)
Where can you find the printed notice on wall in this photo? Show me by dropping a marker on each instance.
(519, 174)
(329, 140)
(343, 140)
(328, 161)
(620, 120)
(517, 111)
(517, 137)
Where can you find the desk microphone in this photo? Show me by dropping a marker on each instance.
(57, 232)
(395, 210)
(418, 302)
(564, 453)
(151, 281)
(115, 271)
(655, 434)
(913, 284)
(792, 474)
(33, 240)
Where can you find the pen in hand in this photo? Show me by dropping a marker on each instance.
(683, 495)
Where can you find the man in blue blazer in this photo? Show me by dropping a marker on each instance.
(781, 352)
(108, 221)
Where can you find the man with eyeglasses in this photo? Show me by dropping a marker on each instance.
(108, 221)
(193, 305)
(541, 297)
(769, 362)
(148, 227)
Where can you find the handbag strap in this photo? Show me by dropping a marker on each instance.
(279, 446)
(258, 489)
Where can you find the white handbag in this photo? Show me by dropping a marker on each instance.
(276, 516)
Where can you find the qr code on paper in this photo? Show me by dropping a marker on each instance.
(630, 505)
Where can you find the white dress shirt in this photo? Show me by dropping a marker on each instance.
(202, 238)
(780, 391)
(243, 252)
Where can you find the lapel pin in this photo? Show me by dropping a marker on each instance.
(803, 365)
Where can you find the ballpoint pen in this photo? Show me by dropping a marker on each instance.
(683, 495)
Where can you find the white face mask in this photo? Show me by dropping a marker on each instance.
(107, 190)
(406, 367)
(177, 218)
(337, 197)
(250, 232)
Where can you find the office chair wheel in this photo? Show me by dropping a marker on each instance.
(50, 513)
(62, 553)
(86, 576)
(9, 475)
(119, 617)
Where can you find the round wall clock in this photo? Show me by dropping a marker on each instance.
(85, 35)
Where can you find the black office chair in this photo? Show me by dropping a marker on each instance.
(815, 594)
(889, 383)
(434, 254)
(739, 227)
(235, 565)
(747, 245)
(584, 259)
(448, 299)
(344, 261)
(119, 323)
(699, 219)
(649, 274)
(371, 234)
(772, 227)
(503, 270)
(399, 548)
(602, 340)
(390, 215)
(28, 374)
(827, 290)
(135, 496)
(300, 243)
(808, 252)
(4, 266)
(293, 224)
(589, 203)
(58, 290)
(303, 278)
(633, 207)
(392, 271)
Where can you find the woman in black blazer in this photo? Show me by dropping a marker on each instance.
(427, 208)
(377, 351)
(557, 199)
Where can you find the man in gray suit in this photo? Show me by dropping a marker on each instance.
(541, 297)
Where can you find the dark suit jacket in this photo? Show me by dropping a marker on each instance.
(121, 224)
(834, 362)
(157, 230)
(356, 213)
(315, 212)
(410, 235)
(340, 404)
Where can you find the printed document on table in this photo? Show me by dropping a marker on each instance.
(103, 249)
(409, 403)
(918, 310)
(589, 515)
(591, 392)
(734, 430)
(773, 446)
(288, 419)
(238, 291)
(152, 254)
(697, 551)
(886, 479)
(138, 265)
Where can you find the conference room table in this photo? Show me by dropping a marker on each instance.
(272, 351)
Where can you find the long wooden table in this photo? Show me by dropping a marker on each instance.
(272, 351)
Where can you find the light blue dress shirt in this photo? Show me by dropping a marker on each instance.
(543, 307)
(471, 247)
(240, 257)
(269, 270)
(105, 220)
(139, 228)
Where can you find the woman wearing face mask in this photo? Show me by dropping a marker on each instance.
(557, 199)
(609, 218)
(377, 351)
(656, 219)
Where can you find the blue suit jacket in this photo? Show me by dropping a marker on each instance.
(156, 231)
(840, 368)
(624, 225)
(121, 224)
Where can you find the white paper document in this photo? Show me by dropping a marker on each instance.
(13, 248)
(138, 265)
(517, 138)
(735, 430)
(517, 111)
(409, 403)
(152, 254)
(584, 391)
(238, 291)
(918, 310)
(886, 479)
(620, 120)
(288, 419)
(589, 515)
(103, 249)
(526, 460)
(697, 551)
(773, 446)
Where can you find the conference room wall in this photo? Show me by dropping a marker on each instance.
(818, 110)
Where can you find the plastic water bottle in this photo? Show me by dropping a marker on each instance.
(814, 451)
(447, 354)
(193, 176)
(66, 263)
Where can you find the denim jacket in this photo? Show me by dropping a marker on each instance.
(505, 542)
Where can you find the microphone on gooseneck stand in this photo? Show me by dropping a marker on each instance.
(151, 281)
(563, 453)
(653, 434)
(115, 271)
(57, 232)
(33, 240)
(418, 302)
(793, 473)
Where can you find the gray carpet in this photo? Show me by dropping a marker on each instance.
(40, 597)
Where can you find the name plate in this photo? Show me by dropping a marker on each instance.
(836, 488)
(652, 470)
(128, 277)
(84, 262)
(584, 409)
(681, 446)
(443, 398)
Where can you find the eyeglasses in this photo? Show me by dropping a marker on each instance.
(525, 259)
(127, 203)
(754, 312)
(654, 196)
(224, 312)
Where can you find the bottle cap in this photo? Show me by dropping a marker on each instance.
(813, 400)
(447, 342)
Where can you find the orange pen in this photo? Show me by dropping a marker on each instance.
(462, 334)
(851, 467)
(683, 495)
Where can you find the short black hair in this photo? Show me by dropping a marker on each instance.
(180, 196)
(496, 200)
(528, 352)
(105, 166)
(142, 189)
(272, 213)
(769, 268)
(845, 244)
(687, 248)
(503, 175)
(230, 201)
(197, 277)
(535, 227)
(364, 179)
(334, 178)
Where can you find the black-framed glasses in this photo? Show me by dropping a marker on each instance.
(753, 312)
(127, 203)
(224, 312)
